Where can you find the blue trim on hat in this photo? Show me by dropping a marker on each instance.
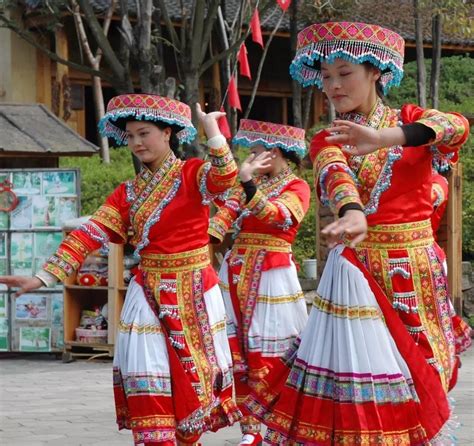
(299, 148)
(305, 57)
(107, 128)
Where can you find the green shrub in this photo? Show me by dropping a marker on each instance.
(98, 180)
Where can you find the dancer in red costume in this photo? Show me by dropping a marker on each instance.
(265, 306)
(439, 197)
(374, 363)
(172, 363)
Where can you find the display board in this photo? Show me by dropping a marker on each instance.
(44, 199)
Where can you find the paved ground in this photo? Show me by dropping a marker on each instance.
(44, 402)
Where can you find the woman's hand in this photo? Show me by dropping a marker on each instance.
(209, 121)
(356, 139)
(352, 226)
(254, 163)
(359, 139)
(24, 283)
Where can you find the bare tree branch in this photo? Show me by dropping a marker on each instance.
(106, 27)
(208, 26)
(169, 24)
(102, 41)
(84, 42)
(260, 65)
(234, 47)
(197, 32)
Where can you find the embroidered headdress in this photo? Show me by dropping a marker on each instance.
(146, 107)
(352, 41)
(270, 135)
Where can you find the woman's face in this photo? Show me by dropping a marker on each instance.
(350, 87)
(148, 143)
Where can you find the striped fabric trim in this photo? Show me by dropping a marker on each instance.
(124, 327)
(282, 299)
(351, 387)
(343, 311)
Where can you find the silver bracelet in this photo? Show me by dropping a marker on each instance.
(46, 278)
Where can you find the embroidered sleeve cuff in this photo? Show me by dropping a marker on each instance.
(217, 229)
(258, 205)
(223, 173)
(450, 129)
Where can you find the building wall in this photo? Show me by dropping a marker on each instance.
(18, 73)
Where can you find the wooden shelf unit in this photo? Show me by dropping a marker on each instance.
(78, 298)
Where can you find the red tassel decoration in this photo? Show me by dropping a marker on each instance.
(284, 4)
(256, 29)
(234, 99)
(224, 126)
(244, 62)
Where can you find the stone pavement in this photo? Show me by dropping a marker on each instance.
(44, 402)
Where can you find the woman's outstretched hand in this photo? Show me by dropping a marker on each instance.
(352, 226)
(253, 163)
(356, 139)
(209, 121)
(24, 283)
(359, 139)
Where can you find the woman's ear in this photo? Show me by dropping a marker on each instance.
(376, 73)
(167, 132)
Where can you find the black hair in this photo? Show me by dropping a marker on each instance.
(378, 84)
(121, 123)
(174, 141)
(292, 156)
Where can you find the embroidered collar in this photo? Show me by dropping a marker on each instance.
(145, 176)
(374, 119)
(282, 179)
(150, 193)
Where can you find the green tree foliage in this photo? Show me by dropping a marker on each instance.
(305, 243)
(98, 180)
(456, 81)
(456, 94)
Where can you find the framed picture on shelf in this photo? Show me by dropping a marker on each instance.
(67, 209)
(44, 213)
(57, 309)
(35, 339)
(3, 267)
(57, 337)
(46, 243)
(59, 183)
(4, 341)
(3, 220)
(21, 216)
(21, 253)
(31, 307)
(3, 244)
(26, 183)
(3, 305)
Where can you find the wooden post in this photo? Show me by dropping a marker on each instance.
(202, 101)
(62, 71)
(43, 79)
(284, 110)
(216, 86)
(454, 252)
